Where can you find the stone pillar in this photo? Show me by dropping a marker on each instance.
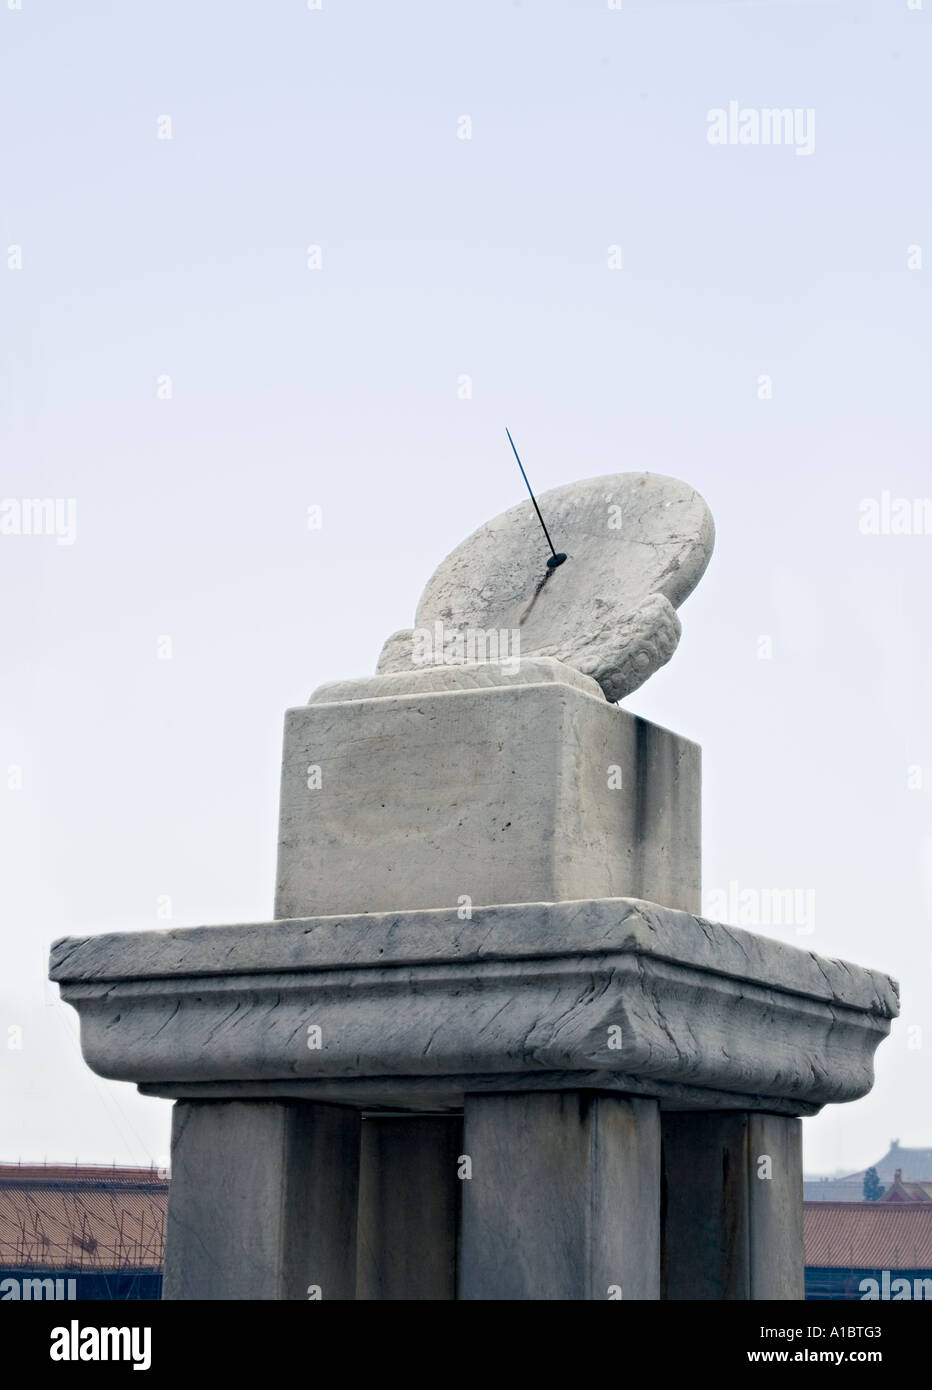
(563, 1201)
(732, 1206)
(263, 1201)
(408, 1207)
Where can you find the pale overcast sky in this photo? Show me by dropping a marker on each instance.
(320, 268)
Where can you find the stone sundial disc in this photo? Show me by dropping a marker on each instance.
(636, 546)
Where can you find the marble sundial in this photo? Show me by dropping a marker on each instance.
(635, 546)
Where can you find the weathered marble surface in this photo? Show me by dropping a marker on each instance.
(434, 680)
(501, 793)
(564, 1198)
(637, 545)
(409, 1198)
(417, 1009)
(263, 1202)
(733, 1227)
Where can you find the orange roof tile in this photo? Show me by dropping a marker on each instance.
(77, 1172)
(869, 1235)
(94, 1218)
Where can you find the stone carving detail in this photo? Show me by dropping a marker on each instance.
(622, 652)
(636, 546)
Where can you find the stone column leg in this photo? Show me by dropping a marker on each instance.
(732, 1206)
(263, 1201)
(563, 1201)
(408, 1207)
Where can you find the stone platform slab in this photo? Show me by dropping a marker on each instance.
(415, 1010)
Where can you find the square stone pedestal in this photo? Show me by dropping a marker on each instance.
(472, 1057)
(426, 790)
(629, 1077)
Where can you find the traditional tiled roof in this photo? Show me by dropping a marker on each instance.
(900, 1191)
(834, 1189)
(869, 1235)
(114, 1218)
(81, 1217)
(914, 1164)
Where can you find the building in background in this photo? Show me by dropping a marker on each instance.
(900, 1191)
(850, 1243)
(99, 1233)
(81, 1232)
(914, 1165)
